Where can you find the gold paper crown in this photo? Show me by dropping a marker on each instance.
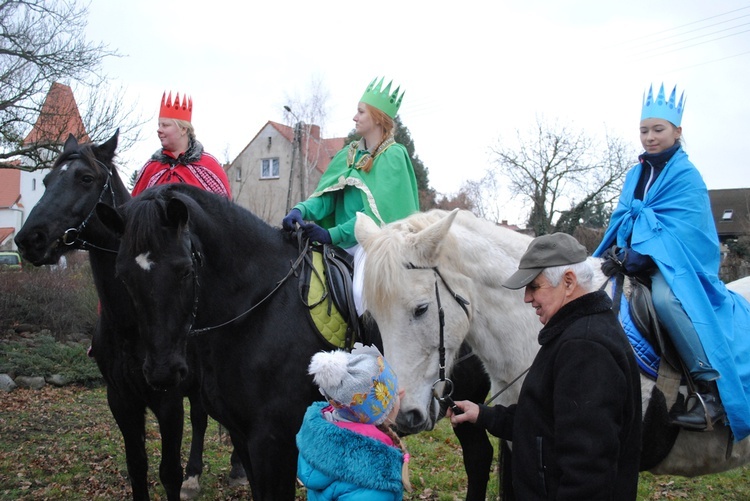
(176, 109)
(383, 99)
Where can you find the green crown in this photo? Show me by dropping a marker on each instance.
(383, 99)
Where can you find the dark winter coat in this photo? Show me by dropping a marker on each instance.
(576, 429)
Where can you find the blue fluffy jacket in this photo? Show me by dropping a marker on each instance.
(335, 462)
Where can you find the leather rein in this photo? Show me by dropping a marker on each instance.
(197, 259)
(445, 397)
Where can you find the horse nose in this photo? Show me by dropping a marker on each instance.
(28, 240)
(163, 376)
(411, 421)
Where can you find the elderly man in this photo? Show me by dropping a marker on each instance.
(576, 429)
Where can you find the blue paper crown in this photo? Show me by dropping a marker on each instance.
(661, 108)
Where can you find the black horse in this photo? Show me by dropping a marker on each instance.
(201, 268)
(64, 220)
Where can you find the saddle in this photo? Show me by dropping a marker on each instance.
(636, 313)
(325, 287)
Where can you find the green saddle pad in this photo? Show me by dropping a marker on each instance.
(327, 319)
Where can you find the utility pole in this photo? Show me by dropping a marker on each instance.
(295, 154)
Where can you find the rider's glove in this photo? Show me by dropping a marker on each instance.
(294, 216)
(315, 233)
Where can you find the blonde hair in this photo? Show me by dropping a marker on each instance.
(383, 120)
(385, 428)
(188, 126)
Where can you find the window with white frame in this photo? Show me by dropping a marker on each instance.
(728, 214)
(269, 168)
(238, 174)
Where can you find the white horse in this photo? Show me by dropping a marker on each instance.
(438, 258)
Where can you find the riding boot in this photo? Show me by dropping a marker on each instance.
(706, 409)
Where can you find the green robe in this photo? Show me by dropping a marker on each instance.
(387, 193)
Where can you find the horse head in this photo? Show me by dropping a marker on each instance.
(409, 290)
(82, 175)
(158, 261)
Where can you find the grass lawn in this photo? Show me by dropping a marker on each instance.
(63, 444)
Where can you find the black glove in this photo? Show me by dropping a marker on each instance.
(315, 233)
(612, 263)
(294, 216)
(635, 262)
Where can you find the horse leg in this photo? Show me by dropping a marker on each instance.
(131, 419)
(471, 382)
(171, 417)
(273, 476)
(199, 421)
(237, 475)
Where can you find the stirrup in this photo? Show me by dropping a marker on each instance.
(709, 423)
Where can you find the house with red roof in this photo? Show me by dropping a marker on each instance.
(11, 215)
(20, 187)
(280, 166)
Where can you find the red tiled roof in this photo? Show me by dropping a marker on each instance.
(5, 233)
(10, 186)
(322, 149)
(58, 118)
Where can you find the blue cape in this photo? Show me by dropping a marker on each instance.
(674, 225)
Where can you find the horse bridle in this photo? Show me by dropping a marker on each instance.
(445, 397)
(71, 235)
(197, 261)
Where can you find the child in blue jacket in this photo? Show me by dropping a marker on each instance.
(347, 450)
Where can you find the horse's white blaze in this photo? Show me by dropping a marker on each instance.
(144, 261)
(475, 257)
(64, 167)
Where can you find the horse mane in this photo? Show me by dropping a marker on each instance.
(209, 212)
(83, 150)
(464, 251)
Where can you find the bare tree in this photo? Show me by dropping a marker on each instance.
(461, 200)
(482, 195)
(307, 112)
(42, 42)
(556, 166)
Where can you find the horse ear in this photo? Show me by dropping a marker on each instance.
(70, 144)
(110, 218)
(108, 148)
(177, 213)
(364, 229)
(430, 240)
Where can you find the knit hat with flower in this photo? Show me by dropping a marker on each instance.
(360, 385)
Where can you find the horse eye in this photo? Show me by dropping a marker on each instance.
(87, 179)
(420, 310)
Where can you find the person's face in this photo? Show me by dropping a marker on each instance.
(363, 120)
(545, 298)
(658, 134)
(170, 134)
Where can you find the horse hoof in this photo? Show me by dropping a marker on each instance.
(237, 481)
(190, 488)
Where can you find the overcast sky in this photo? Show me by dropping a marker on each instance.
(474, 72)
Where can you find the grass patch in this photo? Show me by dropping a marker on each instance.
(63, 444)
(45, 357)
